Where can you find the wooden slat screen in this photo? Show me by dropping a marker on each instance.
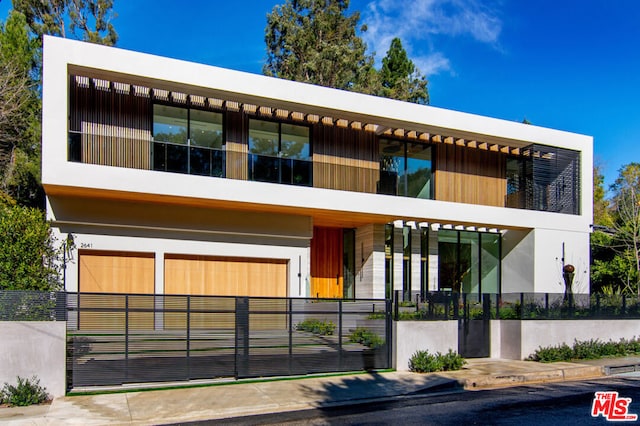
(326, 262)
(115, 122)
(471, 176)
(237, 147)
(345, 159)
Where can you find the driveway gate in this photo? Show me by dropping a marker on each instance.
(134, 338)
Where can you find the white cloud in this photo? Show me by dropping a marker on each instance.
(418, 22)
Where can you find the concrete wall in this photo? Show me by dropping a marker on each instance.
(34, 348)
(411, 336)
(519, 339)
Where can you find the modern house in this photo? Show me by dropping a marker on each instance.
(179, 178)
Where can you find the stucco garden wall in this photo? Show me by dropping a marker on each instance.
(519, 339)
(411, 336)
(31, 348)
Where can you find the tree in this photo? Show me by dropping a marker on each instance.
(28, 259)
(88, 20)
(399, 77)
(315, 41)
(616, 242)
(19, 113)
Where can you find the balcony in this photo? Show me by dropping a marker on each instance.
(145, 154)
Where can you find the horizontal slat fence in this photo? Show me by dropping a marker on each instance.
(238, 337)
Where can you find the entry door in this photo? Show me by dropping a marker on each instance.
(327, 272)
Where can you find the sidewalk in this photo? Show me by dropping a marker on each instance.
(240, 399)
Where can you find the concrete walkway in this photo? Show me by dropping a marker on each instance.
(240, 399)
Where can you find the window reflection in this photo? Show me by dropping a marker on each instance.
(405, 169)
(280, 153)
(188, 141)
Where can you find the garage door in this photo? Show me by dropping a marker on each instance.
(225, 276)
(116, 272)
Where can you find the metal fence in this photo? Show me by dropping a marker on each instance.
(131, 338)
(32, 305)
(435, 306)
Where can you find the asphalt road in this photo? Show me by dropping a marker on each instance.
(567, 403)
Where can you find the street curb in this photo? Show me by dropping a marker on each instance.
(563, 374)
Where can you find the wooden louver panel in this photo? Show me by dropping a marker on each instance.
(114, 123)
(470, 175)
(345, 159)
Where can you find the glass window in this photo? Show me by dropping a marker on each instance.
(349, 263)
(391, 166)
(280, 153)
(263, 137)
(418, 171)
(448, 276)
(388, 260)
(424, 261)
(405, 169)
(170, 124)
(468, 262)
(295, 142)
(490, 263)
(406, 263)
(205, 129)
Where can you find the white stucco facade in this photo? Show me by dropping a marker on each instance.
(114, 208)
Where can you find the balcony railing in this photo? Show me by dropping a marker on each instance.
(203, 161)
(290, 171)
(144, 154)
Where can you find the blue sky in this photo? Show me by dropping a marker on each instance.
(567, 64)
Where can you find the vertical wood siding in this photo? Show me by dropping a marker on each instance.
(471, 176)
(237, 148)
(115, 123)
(345, 159)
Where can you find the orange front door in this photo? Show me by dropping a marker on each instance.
(326, 263)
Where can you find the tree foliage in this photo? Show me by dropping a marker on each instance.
(317, 42)
(400, 78)
(20, 108)
(616, 242)
(28, 259)
(88, 20)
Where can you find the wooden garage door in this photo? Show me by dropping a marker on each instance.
(225, 276)
(116, 272)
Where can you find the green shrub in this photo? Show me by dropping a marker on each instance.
(588, 349)
(366, 337)
(425, 362)
(26, 392)
(312, 325)
(377, 315)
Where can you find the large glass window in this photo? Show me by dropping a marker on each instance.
(349, 263)
(544, 178)
(405, 169)
(388, 260)
(170, 124)
(406, 262)
(469, 262)
(424, 261)
(280, 153)
(188, 141)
